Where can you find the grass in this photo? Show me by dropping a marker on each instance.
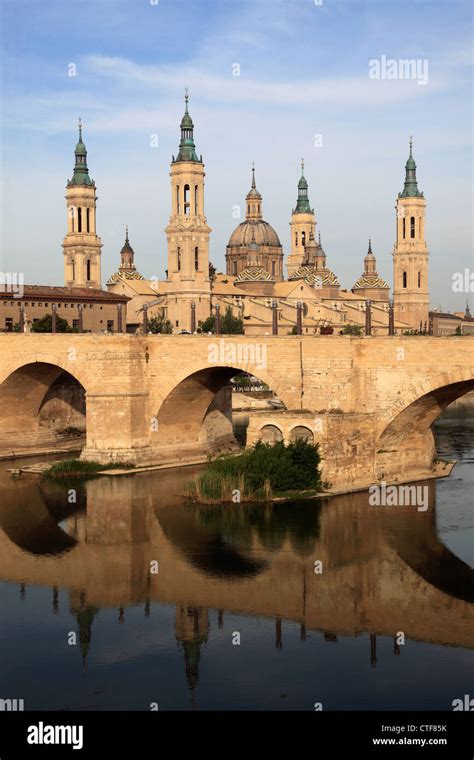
(77, 468)
(260, 474)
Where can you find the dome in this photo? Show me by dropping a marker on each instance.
(118, 276)
(370, 281)
(264, 234)
(312, 276)
(254, 274)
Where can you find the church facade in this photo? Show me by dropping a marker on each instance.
(254, 286)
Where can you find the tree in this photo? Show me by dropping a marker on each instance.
(351, 330)
(208, 325)
(45, 325)
(160, 325)
(230, 325)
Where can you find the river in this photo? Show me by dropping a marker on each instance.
(120, 595)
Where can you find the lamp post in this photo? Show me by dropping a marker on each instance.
(80, 309)
(391, 318)
(119, 318)
(193, 317)
(274, 318)
(299, 318)
(218, 319)
(54, 318)
(368, 317)
(145, 319)
(22, 317)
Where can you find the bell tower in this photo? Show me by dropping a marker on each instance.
(303, 225)
(188, 234)
(410, 255)
(81, 246)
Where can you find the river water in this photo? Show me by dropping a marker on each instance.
(119, 594)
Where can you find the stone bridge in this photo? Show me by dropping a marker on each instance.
(369, 401)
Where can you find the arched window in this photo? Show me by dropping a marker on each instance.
(296, 239)
(196, 258)
(179, 259)
(88, 220)
(88, 270)
(248, 209)
(196, 199)
(273, 268)
(79, 219)
(259, 208)
(73, 214)
(412, 227)
(419, 279)
(178, 205)
(303, 238)
(73, 267)
(404, 228)
(234, 267)
(186, 200)
(405, 279)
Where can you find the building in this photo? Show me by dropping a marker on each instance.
(81, 301)
(254, 286)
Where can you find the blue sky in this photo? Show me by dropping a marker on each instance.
(303, 72)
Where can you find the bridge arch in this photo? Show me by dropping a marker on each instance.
(197, 408)
(405, 436)
(39, 400)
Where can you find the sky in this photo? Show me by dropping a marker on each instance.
(303, 89)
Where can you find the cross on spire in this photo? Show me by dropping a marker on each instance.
(79, 124)
(186, 98)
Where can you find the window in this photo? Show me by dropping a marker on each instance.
(88, 270)
(79, 219)
(75, 324)
(419, 279)
(110, 325)
(405, 279)
(178, 207)
(273, 268)
(404, 228)
(196, 199)
(248, 209)
(87, 220)
(303, 238)
(177, 323)
(296, 239)
(412, 227)
(72, 217)
(9, 324)
(196, 259)
(179, 259)
(186, 200)
(73, 263)
(234, 267)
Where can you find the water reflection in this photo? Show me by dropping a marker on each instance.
(383, 569)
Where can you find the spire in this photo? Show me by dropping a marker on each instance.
(127, 255)
(302, 204)
(370, 264)
(81, 172)
(187, 148)
(467, 313)
(410, 189)
(254, 200)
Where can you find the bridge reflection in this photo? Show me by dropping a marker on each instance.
(384, 570)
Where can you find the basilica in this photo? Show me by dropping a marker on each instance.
(254, 286)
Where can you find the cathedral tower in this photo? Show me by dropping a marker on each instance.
(410, 254)
(188, 234)
(82, 246)
(303, 225)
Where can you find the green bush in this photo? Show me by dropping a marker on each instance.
(260, 472)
